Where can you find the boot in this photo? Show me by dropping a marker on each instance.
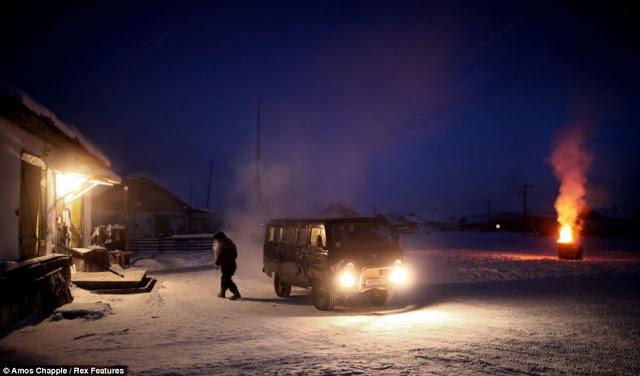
(235, 297)
(221, 294)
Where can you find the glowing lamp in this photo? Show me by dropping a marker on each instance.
(66, 183)
(347, 280)
(71, 186)
(398, 275)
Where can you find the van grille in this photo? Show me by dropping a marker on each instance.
(374, 273)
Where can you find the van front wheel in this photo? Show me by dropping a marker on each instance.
(379, 297)
(323, 297)
(283, 289)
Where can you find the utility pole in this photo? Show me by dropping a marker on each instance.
(525, 209)
(209, 184)
(125, 201)
(258, 156)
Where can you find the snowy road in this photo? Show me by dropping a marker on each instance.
(472, 310)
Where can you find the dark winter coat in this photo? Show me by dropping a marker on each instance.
(227, 255)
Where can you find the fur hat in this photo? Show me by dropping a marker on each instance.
(220, 236)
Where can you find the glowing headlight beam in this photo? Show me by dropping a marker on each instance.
(398, 275)
(347, 280)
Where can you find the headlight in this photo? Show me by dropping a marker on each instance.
(398, 275)
(347, 279)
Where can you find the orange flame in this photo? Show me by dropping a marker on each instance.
(570, 163)
(566, 235)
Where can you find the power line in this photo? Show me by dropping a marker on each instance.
(505, 30)
(439, 110)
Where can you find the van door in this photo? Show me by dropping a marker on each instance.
(269, 256)
(303, 246)
(317, 255)
(286, 255)
(31, 232)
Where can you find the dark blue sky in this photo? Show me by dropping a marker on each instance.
(430, 106)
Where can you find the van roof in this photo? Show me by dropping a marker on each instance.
(336, 220)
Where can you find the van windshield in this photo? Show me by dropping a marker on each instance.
(361, 234)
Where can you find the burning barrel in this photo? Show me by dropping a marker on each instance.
(568, 247)
(570, 251)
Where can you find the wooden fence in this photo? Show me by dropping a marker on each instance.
(199, 243)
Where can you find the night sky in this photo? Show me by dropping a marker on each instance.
(429, 106)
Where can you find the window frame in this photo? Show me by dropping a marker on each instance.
(271, 234)
(320, 231)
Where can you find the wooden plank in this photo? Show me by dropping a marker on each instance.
(146, 285)
(106, 280)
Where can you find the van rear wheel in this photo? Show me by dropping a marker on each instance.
(323, 297)
(379, 297)
(283, 289)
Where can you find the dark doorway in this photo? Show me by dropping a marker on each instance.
(163, 225)
(31, 212)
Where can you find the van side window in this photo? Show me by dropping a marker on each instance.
(272, 233)
(338, 234)
(289, 235)
(303, 236)
(278, 235)
(318, 232)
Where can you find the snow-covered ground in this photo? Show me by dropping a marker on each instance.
(480, 303)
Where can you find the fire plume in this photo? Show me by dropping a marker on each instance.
(570, 162)
(566, 234)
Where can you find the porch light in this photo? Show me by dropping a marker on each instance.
(71, 186)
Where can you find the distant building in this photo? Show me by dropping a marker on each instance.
(153, 210)
(337, 210)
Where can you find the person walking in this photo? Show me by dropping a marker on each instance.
(226, 253)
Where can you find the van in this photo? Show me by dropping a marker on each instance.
(336, 258)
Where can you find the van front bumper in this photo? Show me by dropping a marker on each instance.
(374, 278)
(366, 279)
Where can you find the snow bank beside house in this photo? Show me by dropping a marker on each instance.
(171, 260)
(86, 311)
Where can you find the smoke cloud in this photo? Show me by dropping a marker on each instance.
(570, 163)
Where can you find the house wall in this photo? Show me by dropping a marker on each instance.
(87, 226)
(10, 152)
(50, 214)
(142, 224)
(13, 142)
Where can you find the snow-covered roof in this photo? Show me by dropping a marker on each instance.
(150, 180)
(70, 131)
(338, 210)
